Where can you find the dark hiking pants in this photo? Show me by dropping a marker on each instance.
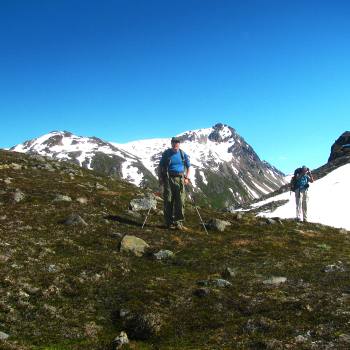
(174, 200)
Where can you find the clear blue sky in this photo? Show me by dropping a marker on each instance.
(278, 71)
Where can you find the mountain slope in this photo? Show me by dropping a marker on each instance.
(68, 285)
(225, 169)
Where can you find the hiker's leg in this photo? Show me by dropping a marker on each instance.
(298, 203)
(168, 207)
(178, 200)
(304, 204)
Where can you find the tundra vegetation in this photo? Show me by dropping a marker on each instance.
(73, 275)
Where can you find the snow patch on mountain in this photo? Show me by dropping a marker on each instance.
(328, 200)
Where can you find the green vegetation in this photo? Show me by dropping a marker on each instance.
(69, 287)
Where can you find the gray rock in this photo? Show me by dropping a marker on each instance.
(52, 268)
(18, 196)
(343, 231)
(143, 203)
(82, 200)
(218, 282)
(121, 340)
(218, 225)
(74, 219)
(300, 339)
(164, 254)
(133, 245)
(229, 272)
(62, 198)
(337, 267)
(3, 336)
(275, 280)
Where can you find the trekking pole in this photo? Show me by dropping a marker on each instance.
(195, 206)
(149, 210)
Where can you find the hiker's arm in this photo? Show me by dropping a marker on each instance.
(187, 176)
(188, 165)
(311, 177)
(160, 172)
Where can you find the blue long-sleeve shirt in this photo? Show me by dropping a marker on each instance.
(173, 161)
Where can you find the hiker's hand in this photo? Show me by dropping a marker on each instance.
(187, 180)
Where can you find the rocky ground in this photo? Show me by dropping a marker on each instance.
(77, 271)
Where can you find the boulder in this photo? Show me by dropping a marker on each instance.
(218, 225)
(74, 219)
(163, 255)
(275, 281)
(133, 245)
(143, 203)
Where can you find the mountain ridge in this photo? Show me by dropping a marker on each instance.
(226, 170)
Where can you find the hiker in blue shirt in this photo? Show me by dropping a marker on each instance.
(301, 196)
(173, 172)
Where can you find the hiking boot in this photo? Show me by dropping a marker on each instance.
(179, 226)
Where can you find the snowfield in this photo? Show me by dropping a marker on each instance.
(328, 200)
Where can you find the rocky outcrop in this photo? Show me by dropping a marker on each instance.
(339, 148)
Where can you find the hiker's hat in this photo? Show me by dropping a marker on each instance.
(175, 140)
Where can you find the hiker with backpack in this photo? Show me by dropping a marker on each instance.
(300, 184)
(173, 173)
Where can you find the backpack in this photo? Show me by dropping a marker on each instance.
(294, 180)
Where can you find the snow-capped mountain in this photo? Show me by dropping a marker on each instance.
(328, 195)
(225, 169)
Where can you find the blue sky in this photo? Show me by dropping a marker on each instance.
(278, 71)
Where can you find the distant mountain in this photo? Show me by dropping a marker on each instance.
(328, 195)
(226, 171)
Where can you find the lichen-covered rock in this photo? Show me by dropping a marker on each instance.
(163, 255)
(337, 267)
(133, 245)
(143, 203)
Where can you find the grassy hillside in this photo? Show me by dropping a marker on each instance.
(68, 286)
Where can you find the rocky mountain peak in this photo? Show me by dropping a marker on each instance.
(338, 149)
(222, 133)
